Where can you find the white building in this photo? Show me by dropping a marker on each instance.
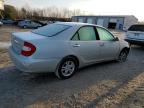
(1, 7)
(120, 22)
(1, 4)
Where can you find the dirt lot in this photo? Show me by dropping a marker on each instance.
(4, 58)
(5, 32)
(106, 85)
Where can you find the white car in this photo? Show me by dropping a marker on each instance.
(64, 47)
(135, 34)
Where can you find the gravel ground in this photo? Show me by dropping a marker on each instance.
(105, 85)
(135, 99)
(6, 30)
(4, 45)
(4, 58)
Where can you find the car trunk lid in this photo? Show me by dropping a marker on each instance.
(18, 40)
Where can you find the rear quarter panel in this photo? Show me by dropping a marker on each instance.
(48, 49)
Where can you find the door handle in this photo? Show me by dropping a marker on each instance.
(101, 44)
(76, 45)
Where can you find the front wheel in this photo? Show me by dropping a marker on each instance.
(67, 68)
(123, 56)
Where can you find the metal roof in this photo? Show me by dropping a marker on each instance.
(74, 23)
(105, 16)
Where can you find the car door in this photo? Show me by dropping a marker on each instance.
(84, 44)
(34, 25)
(30, 25)
(109, 45)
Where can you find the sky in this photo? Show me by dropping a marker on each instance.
(95, 7)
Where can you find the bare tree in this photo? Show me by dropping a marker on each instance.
(28, 12)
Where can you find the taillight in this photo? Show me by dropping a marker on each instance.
(28, 49)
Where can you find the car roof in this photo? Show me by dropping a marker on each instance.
(138, 24)
(26, 20)
(75, 24)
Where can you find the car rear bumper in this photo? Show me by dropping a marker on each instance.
(31, 65)
(133, 41)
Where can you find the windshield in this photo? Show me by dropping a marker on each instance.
(51, 29)
(136, 28)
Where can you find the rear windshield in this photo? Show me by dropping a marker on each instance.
(51, 29)
(136, 28)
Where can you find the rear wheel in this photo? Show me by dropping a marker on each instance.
(66, 68)
(123, 56)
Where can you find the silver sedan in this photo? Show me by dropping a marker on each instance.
(64, 47)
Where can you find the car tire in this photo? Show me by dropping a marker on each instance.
(67, 68)
(123, 55)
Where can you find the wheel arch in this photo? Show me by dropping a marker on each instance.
(64, 58)
(125, 48)
(73, 57)
(69, 56)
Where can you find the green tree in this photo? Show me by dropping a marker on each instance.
(10, 12)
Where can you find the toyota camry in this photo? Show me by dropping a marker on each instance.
(64, 47)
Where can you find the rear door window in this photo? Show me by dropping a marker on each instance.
(86, 33)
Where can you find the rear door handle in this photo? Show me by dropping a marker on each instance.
(76, 45)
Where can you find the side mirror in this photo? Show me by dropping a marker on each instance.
(116, 39)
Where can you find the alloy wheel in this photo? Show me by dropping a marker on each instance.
(68, 68)
(123, 56)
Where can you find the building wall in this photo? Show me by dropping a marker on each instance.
(130, 20)
(105, 21)
(121, 21)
